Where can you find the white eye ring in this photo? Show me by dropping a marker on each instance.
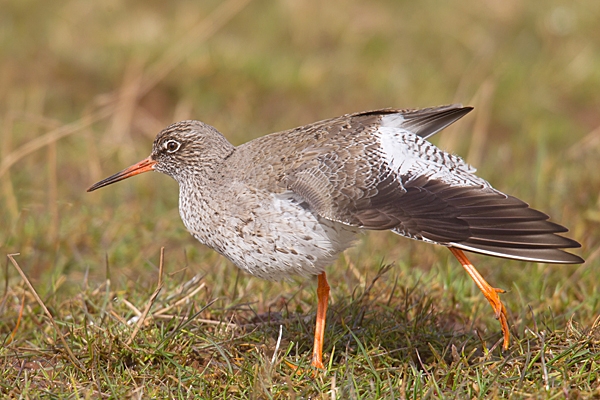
(172, 146)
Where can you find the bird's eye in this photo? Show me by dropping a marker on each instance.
(172, 146)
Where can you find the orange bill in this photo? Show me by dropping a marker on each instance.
(145, 165)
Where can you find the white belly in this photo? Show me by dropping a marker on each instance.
(273, 239)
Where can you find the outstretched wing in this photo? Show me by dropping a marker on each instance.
(382, 174)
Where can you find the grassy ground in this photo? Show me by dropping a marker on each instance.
(85, 86)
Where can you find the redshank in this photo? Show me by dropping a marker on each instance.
(290, 202)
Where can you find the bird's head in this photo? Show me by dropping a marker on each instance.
(182, 150)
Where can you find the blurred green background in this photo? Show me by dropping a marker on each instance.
(85, 86)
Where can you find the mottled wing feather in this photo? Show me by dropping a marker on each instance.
(438, 199)
(347, 178)
(337, 193)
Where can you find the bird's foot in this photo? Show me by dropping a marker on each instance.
(490, 293)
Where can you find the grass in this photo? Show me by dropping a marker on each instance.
(84, 89)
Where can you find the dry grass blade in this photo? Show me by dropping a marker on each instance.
(126, 99)
(151, 300)
(11, 203)
(180, 301)
(19, 319)
(51, 137)
(541, 336)
(200, 33)
(132, 307)
(485, 97)
(586, 144)
(274, 358)
(184, 323)
(70, 354)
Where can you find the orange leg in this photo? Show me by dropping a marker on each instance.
(490, 293)
(323, 298)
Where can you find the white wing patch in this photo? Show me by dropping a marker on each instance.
(410, 156)
(392, 120)
(396, 153)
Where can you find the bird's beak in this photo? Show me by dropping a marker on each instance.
(145, 165)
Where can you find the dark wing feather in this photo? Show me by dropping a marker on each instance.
(350, 181)
(487, 222)
(424, 122)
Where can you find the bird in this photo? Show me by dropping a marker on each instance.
(290, 202)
